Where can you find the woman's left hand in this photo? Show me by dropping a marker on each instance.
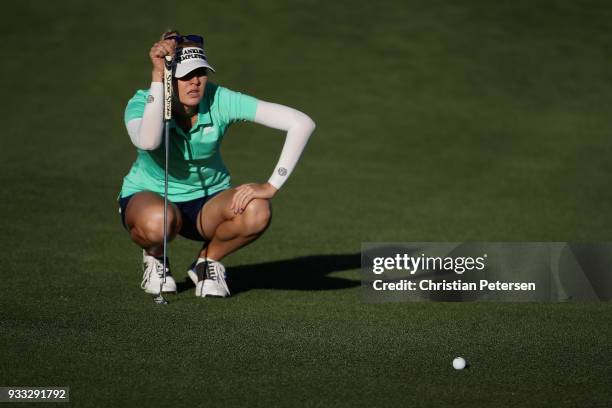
(247, 192)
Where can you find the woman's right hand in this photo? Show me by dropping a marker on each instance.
(158, 51)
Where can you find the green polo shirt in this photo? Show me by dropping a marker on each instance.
(195, 166)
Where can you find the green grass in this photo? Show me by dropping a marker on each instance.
(437, 121)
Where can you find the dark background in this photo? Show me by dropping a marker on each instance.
(436, 121)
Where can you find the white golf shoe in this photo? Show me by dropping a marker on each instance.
(153, 275)
(209, 278)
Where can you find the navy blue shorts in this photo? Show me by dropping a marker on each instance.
(189, 212)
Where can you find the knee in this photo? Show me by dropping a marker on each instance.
(256, 216)
(151, 228)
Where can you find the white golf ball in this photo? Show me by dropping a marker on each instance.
(459, 363)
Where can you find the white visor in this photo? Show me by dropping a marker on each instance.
(190, 58)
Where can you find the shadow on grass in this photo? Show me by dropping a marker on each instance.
(304, 273)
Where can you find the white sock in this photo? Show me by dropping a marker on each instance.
(200, 260)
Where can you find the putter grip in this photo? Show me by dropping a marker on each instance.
(167, 87)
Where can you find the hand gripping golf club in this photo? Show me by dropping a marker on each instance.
(159, 298)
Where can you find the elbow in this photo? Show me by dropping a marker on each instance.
(151, 147)
(311, 124)
(148, 145)
(144, 139)
(307, 123)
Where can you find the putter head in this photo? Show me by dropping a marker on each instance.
(160, 300)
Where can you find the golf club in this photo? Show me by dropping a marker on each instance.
(159, 298)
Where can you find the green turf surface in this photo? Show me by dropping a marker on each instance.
(437, 120)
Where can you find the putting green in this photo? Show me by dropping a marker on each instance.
(436, 121)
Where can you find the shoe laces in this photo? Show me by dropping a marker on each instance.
(216, 272)
(153, 266)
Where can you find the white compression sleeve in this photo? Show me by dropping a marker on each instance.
(146, 132)
(299, 127)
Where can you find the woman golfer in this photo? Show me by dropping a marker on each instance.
(202, 204)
